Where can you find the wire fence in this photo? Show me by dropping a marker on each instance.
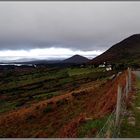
(112, 126)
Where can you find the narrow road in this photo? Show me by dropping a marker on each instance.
(130, 127)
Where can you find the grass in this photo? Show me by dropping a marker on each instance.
(91, 127)
(7, 106)
(137, 102)
(80, 71)
(53, 117)
(129, 131)
(46, 95)
(30, 79)
(39, 84)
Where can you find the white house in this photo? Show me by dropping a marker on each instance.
(108, 68)
(102, 66)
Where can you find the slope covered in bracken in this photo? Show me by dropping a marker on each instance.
(61, 116)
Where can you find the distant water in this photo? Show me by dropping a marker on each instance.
(18, 64)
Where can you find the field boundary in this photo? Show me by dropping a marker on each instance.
(111, 128)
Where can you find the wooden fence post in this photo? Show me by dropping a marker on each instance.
(119, 94)
(129, 79)
(126, 86)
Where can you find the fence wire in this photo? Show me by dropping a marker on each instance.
(105, 131)
(110, 129)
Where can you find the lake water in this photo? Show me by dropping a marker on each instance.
(32, 65)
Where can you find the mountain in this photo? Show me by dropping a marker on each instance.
(76, 59)
(126, 51)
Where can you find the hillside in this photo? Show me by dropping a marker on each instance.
(76, 59)
(41, 102)
(77, 112)
(126, 51)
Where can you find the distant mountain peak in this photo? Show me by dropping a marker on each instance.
(76, 59)
(77, 55)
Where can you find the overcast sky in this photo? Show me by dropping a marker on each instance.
(53, 30)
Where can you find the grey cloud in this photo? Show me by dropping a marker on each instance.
(75, 25)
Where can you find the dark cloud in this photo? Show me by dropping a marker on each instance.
(75, 25)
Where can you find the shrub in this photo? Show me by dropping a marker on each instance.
(30, 117)
(61, 102)
(49, 108)
(37, 107)
(79, 93)
(18, 104)
(21, 102)
(49, 96)
(74, 94)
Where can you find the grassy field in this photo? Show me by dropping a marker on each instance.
(80, 71)
(17, 89)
